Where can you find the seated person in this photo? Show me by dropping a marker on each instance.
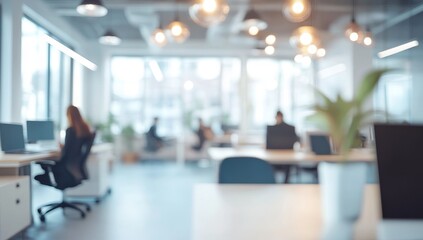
(203, 133)
(281, 135)
(76, 133)
(154, 142)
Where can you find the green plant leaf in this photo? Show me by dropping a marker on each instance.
(368, 84)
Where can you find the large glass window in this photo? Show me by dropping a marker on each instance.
(273, 85)
(46, 77)
(178, 90)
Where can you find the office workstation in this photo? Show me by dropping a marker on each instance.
(210, 119)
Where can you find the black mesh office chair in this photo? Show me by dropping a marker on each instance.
(67, 173)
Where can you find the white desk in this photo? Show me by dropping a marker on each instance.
(270, 212)
(15, 213)
(288, 156)
(11, 164)
(98, 166)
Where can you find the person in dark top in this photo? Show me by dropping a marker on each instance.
(154, 141)
(76, 134)
(281, 135)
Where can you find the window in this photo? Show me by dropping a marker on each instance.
(46, 77)
(273, 85)
(178, 90)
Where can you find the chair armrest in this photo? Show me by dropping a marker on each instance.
(46, 162)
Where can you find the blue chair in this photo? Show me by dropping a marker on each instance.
(246, 170)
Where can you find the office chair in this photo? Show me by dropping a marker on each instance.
(67, 173)
(245, 170)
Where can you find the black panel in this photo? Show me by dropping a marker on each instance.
(400, 160)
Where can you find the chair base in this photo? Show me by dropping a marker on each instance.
(64, 204)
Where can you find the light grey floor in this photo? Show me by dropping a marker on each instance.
(150, 201)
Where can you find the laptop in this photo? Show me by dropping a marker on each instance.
(399, 151)
(12, 139)
(320, 144)
(280, 137)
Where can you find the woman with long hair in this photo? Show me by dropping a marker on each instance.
(76, 122)
(77, 133)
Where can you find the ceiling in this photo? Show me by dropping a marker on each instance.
(133, 20)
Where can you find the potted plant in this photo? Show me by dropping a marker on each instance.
(342, 183)
(105, 129)
(129, 152)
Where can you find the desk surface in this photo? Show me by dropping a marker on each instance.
(288, 156)
(18, 160)
(271, 212)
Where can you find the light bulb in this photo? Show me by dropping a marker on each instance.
(306, 38)
(159, 37)
(178, 31)
(321, 52)
(253, 30)
(353, 31)
(298, 7)
(269, 50)
(270, 39)
(297, 10)
(367, 41)
(353, 36)
(312, 49)
(209, 12)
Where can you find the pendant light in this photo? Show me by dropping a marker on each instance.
(110, 38)
(178, 30)
(296, 10)
(91, 8)
(253, 23)
(304, 36)
(270, 39)
(208, 12)
(353, 31)
(158, 37)
(367, 38)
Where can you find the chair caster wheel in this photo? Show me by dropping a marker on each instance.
(39, 211)
(43, 219)
(82, 215)
(98, 200)
(88, 208)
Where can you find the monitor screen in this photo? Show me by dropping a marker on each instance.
(11, 137)
(280, 137)
(320, 144)
(39, 130)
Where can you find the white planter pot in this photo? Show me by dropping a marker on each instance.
(342, 186)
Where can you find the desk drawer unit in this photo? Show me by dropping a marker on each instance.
(15, 212)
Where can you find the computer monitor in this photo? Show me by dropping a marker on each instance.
(399, 149)
(280, 137)
(319, 143)
(39, 131)
(12, 137)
